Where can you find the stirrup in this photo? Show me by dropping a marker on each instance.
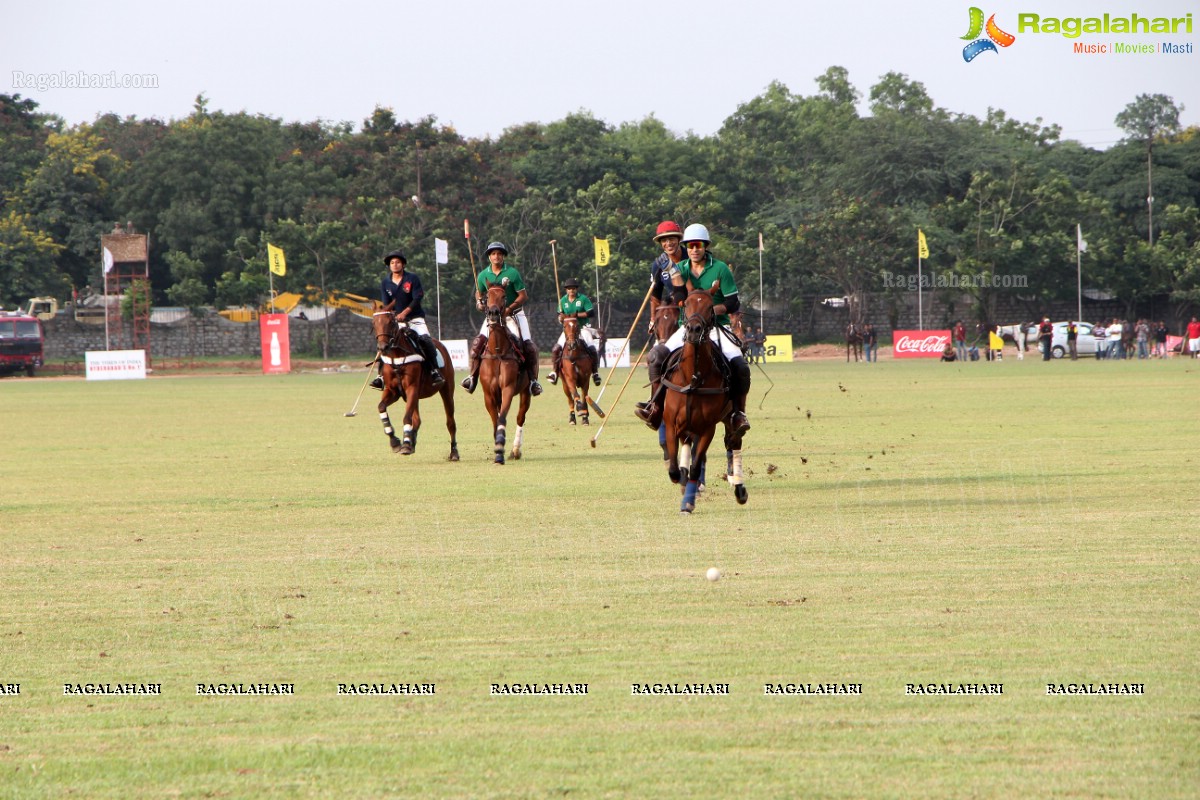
(437, 378)
(535, 388)
(648, 413)
(738, 422)
(468, 383)
(377, 383)
(596, 378)
(553, 378)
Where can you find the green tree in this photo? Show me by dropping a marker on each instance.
(23, 133)
(68, 197)
(850, 244)
(28, 265)
(1148, 118)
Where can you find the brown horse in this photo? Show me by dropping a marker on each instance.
(665, 321)
(577, 367)
(697, 398)
(404, 377)
(854, 342)
(502, 375)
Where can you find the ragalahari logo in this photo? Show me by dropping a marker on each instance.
(995, 36)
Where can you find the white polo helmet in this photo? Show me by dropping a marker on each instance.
(696, 233)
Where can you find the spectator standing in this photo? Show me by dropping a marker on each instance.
(760, 345)
(1116, 343)
(1072, 337)
(1142, 330)
(870, 343)
(960, 340)
(1160, 339)
(1193, 336)
(1100, 334)
(1045, 337)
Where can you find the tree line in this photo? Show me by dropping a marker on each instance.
(837, 196)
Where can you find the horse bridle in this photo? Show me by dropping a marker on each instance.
(696, 326)
(572, 342)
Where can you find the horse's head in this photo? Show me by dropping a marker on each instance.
(495, 304)
(571, 329)
(666, 321)
(697, 315)
(383, 326)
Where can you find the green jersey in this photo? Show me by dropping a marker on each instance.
(572, 307)
(714, 271)
(487, 278)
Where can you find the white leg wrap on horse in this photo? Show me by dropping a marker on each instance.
(520, 436)
(735, 477)
(685, 457)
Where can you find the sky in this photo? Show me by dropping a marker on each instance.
(482, 67)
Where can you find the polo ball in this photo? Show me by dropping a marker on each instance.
(713, 574)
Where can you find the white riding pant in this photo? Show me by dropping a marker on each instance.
(586, 332)
(728, 347)
(517, 323)
(417, 325)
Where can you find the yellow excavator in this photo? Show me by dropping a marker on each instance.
(286, 302)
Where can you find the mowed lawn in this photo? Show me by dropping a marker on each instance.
(1022, 523)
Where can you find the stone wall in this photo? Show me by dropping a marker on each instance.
(350, 335)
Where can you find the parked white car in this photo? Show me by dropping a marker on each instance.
(1085, 343)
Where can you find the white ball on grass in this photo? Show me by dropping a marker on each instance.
(713, 574)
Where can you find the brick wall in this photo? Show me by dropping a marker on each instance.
(350, 335)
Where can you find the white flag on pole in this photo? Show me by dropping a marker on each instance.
(441, 251)
(1079, 242)
(108, 259)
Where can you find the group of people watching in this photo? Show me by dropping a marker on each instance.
(1116, 339)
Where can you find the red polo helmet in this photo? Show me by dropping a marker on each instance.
(666, 229)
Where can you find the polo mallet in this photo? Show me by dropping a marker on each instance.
(354, 410)
(620, 353)
(554, 258)
(471, 252)
(623, 385)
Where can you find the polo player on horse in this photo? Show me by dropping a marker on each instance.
(499, 273)
(403, 290)
(574, 304)
(703, 272)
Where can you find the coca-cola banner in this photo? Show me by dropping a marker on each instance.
(919, 344)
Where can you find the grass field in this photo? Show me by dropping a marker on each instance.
(1022, 523)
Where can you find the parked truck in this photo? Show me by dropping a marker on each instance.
(22, 343)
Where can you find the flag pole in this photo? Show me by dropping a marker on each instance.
(920, 304)
(437, 271)
(1079, 245)
(922, 252)
(760, 283)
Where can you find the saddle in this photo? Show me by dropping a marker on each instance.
(410, 336)
(719, 360)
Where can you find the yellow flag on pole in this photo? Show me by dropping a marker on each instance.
(276, 260)
(601, 251)
(922, 247)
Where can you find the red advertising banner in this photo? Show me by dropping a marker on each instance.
(276, 351)
(919, 344)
